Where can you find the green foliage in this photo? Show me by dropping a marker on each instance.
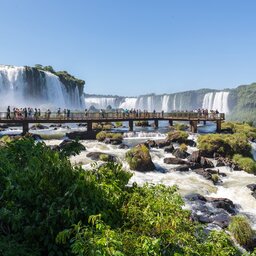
(242, 128)
(101, 136)
(241, 230)
(42, 194)
(64, 76)
(139, 158)
(180, 126)
(245, 163)
(49, 207)
(105, 157)
(154, 224)
(142, 123)
(224, 144)
(177, 136)
(54, 136)
(118, 124)
(183, 147)
(71, 148)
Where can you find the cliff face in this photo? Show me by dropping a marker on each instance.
(243, 103)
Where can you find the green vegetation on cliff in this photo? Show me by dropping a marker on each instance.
(64, 77)
(243, 103)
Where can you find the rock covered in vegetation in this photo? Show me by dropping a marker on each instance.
(177, 136)
(139, 159)
(110, 138)
(96, 156)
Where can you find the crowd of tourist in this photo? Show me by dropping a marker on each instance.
(35, 113)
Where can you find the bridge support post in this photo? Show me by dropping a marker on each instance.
(204, 122)
(25, 128)
(171, 122)
(193, 126)
(156, 123)
(130, 125)
(218, 126)
(89, 126)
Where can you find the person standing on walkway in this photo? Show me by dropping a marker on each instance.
(8, 116)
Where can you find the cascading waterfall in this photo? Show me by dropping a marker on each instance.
(165, 102)
(174, 102)
(208, 101)
(100, 102)
(22, 87)
(221, 102)
(128, 103)
(216, 101)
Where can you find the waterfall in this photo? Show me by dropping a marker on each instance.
(217, 101)
(100, 102)
(128, 103)
(29, 87)
(174, 102)
(165, 102)
(208, 101)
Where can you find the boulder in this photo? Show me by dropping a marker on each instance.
(221, 219)
(182, 168)
(113, 141)
(96, 156)
(123, 146)
(203, 173)
(220, 162)
(180, 153)
(206, 163)
(222, 203)
(173, 160)
(163, 143)
(38, 127)
(195, 157)
(252, 187)
(151, 143)
(139, 158)
(69, 147)
(195, 197)
(169, 149)
(190, 143)
(82, 135)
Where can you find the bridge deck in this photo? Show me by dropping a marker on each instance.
(109, 117)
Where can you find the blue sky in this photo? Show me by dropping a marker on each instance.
(134, 47)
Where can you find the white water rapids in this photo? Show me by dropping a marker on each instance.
(233, 186)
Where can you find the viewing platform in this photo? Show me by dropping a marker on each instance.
(81, 117)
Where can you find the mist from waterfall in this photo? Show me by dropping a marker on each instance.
(20, 89)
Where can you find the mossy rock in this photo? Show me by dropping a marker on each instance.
(139, 159)
(177, 136)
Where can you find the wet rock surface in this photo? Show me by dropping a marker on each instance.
(180, 153)
(173, 160)
(96, 156)
(216, 211)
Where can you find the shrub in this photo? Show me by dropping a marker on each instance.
(180, 126)
(139, 158)
(101, 136)
(183, 147)
(224, 144)
(245, 163)
(105, 157)
(177, 136)
(241, 230)
(118, 124)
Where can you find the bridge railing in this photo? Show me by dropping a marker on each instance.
(109, 115)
